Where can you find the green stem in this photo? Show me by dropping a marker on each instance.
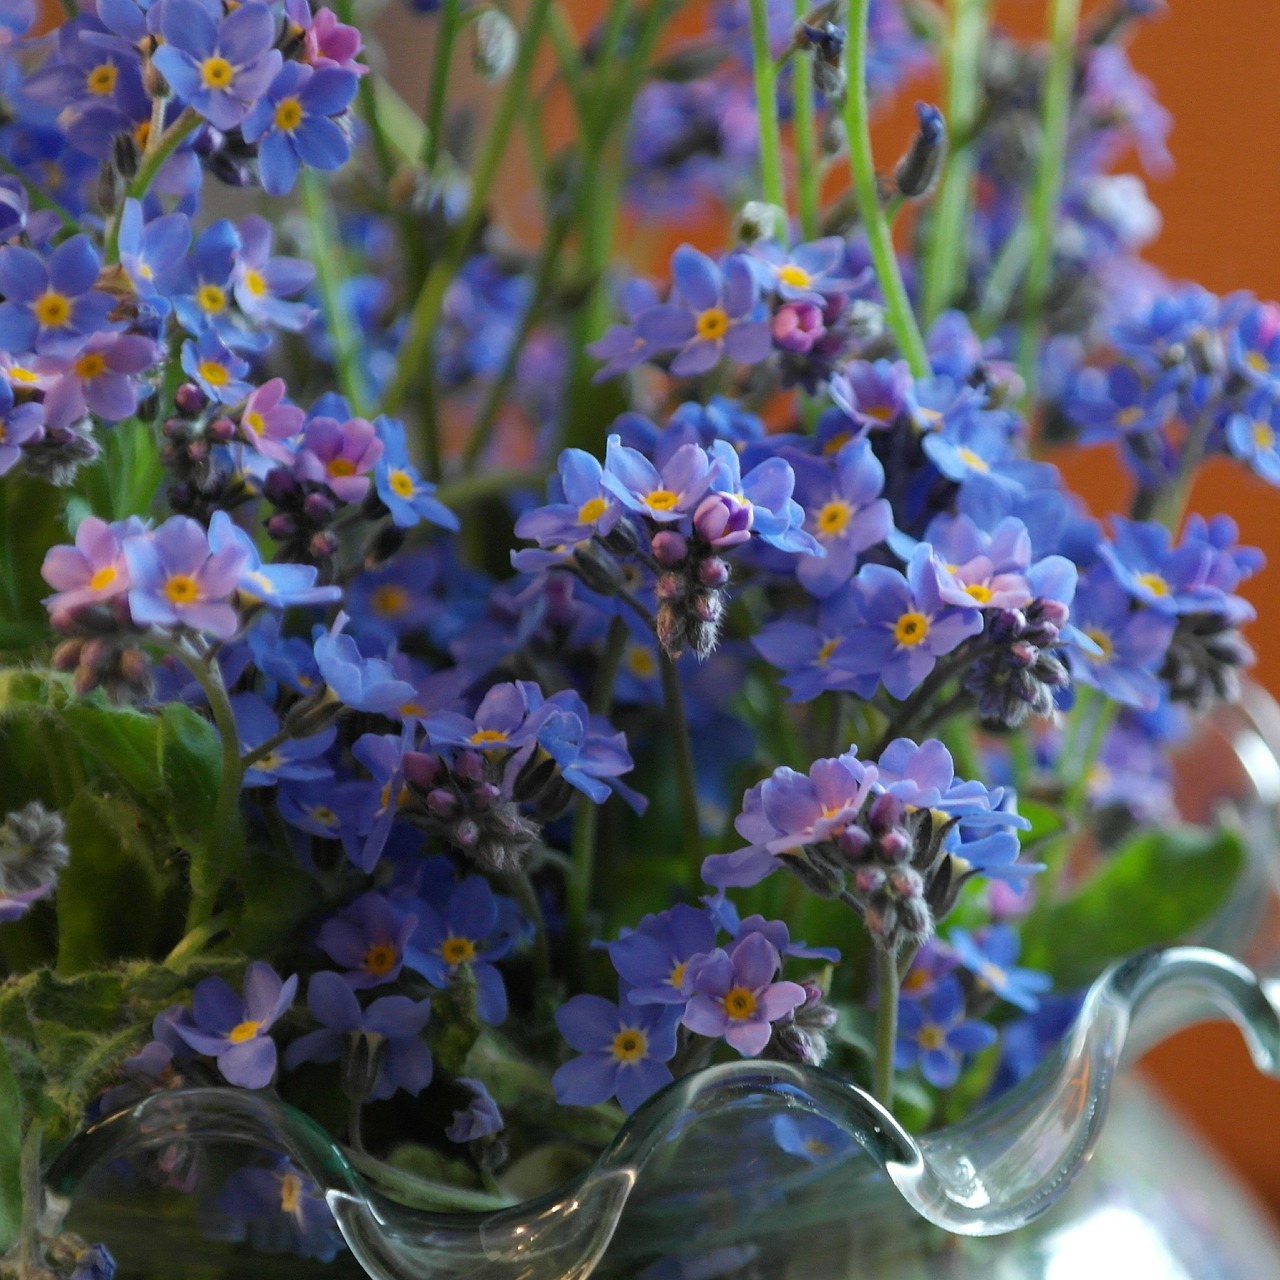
(947, 260)
(526, 897)
(1002, 281)
(193, 943)
(886, 1028)
(857, 121)
(804, 129)
(1064, 16)
(582, 848)
(682, 747)
(32, 1201)
(152, 158)
(330, 264)
(414, 357)
(485, 484)
(368, 93)
(205, 671)
(446, 33)
(766, 82)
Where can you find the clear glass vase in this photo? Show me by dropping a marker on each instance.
(756, 1169)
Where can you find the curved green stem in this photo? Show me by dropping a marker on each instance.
(415, 351)
(857, 121)
(886, 1028)
(446, 34)
(808, 165)
(947, 259)
(682, 749)
(766, 82)
(1064, 17)
(158, 150)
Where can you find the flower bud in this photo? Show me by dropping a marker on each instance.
(758, 220)
(189, 399)
(421, 769)
(669, 548)
(442, 802)
(494, 45)
(713, 572)
(469, 766)
(798, 327)
(724, 520)
(918, 170)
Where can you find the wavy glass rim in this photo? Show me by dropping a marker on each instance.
(998, 1170)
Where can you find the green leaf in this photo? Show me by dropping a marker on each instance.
(30, 522)
(10, 1153)
(124, 741)
(190, 760)
(1154, 890)
(109, 894)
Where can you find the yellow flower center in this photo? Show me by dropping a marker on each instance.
(837, 442)
(341, 467)
(457, 950)
(254, 421)
(141, 133)
(216, 73)
(739, 1003)
(1127, 417)
(974, 460)
(931, 1036)
(1257, 362)
(488, 735)
(640, 662)
(211, 298)
(677, 974)
(591, 511)
(254, 282)
(629, 1045)
(243, 1031)
(103, 577)
(796, 277)
(712, 323)
(288, 114)
(18, 374)
(991, 975)
(323, 815)
(290, 1193)
(270, 762)
(401, 483)
(828, 648)
(380, 959)
(661, 499)
(389, 600)
(978, 591)
(1154, 583)
(911, 629)
(90, 365)
(1264, 436)
(1103, 641)
(52, 309)
(215, 374)
(102, 79)
(816, 1147)
(181, 589)
(833, 518)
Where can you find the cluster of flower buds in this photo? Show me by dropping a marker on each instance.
(113, 662)
(1017, 673)
(802, 1036)
(304, 513)
(1204, 660)
(198, 484)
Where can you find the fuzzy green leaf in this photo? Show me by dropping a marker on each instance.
(190, 759)
(1155, 890)
(123, 741)
(10, 1153)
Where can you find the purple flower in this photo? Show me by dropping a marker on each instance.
(788, 811)
(177, 580)
(771, 513)
(590, 755)
(262, 283)
(392, 1023)
(713, 311)
(733, 994)
(624, 1051)
(923, 777)
(843, 511)
(13, 906)
(503, 721)
(989, 956)
(470, 932)
(292, 126)
(20, 424)
(480, 1118)
(934, 1033)
(907, 623)
(364, 684)
(51, 307)
(663, 496)
(221, 68)
(102, 379)
(339, 454)
(622, 347)
(872, 395)
(234, 1030)
(94, 570)
(651, 960)
(272, 424)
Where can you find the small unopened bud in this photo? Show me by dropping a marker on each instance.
(221, 430)
(421, 769)
(189, 399)
(918, 170)
(724, 520)
(494, 45)
(713, 572)
(153, 81)
(442, 802)
(668, 587)
(669, 548)
(469, 765)
(466, 835)
(798, 327)
(319, 508)
(124, 156)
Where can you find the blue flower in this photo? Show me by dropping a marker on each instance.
(393, 1023)
(664, 496)
(292, 123)
(20, 424)
(713, 311)
(1158, 575)
(364, 684)
(1254, 433)
(1116, 402)
(468, 931)
(203, 296)
(989, 956)
(776, 518)
(233, 1029)
(152, 251)
(323, 810)
(503, 721)
(280, 586)
(815, 657)
(277, 1209)
(934, 1034)
(221, 68)
(873, 396)
(622, 348)
(51, 307)
(807, 273)
(295, 759)
(479, 1119)
(367, 939)
(217, 370)
(652, 958)
(582, 505)
(262, 283)
(811, 1137)
(624, 1051)
(408, 497)
(1254, 344)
